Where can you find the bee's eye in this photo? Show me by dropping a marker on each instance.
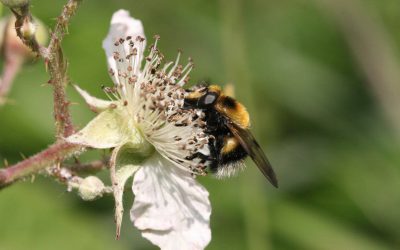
(209, 98)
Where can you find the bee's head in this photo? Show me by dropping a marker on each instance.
(203, 96)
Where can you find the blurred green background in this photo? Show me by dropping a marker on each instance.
(321, 81)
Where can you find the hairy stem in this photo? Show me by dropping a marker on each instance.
(57, 67)
(63, 20)
(93, 166)
(58, 70)
(50, 156)
(54, 60)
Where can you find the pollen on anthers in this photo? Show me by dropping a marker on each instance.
(153, 96)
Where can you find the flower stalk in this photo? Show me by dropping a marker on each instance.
(48, 157)
(93, 166)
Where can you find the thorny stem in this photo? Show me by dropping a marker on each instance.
(62, 24)
(54, 60)
(57, 67)
(33, 164)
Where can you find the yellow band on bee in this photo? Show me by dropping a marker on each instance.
(230, 143)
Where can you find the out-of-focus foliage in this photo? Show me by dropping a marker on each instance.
(315, 111)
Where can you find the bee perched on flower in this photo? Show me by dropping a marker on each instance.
(153, 139)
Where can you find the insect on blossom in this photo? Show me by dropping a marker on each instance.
(152, 137)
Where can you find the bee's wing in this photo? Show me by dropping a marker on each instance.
(250, 145)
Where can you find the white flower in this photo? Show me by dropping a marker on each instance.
(153, 137)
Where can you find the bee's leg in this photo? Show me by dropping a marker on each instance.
(213, 148)
(210, 129)
(189, 105)
(203, 158)
(215, 151)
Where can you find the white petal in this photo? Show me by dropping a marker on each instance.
(109, 129)
(122, 25)
(171, 208)
(95, 104)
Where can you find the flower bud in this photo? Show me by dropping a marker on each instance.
(12, 44)
(91, 188)
(15, 3)
(28, 29)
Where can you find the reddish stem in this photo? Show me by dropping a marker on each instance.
(33, 164)
(55, 61)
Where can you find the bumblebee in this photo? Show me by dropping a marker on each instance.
(227, 124)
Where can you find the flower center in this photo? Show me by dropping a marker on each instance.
(154, 97)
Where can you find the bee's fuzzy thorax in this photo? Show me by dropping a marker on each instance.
(215, 89)
(234, 110)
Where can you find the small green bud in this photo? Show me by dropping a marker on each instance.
(15, 3)
(91, 188)
(41, 31)
(11, 42)
(28, 29)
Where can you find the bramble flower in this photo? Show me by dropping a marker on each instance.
(152, 137)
